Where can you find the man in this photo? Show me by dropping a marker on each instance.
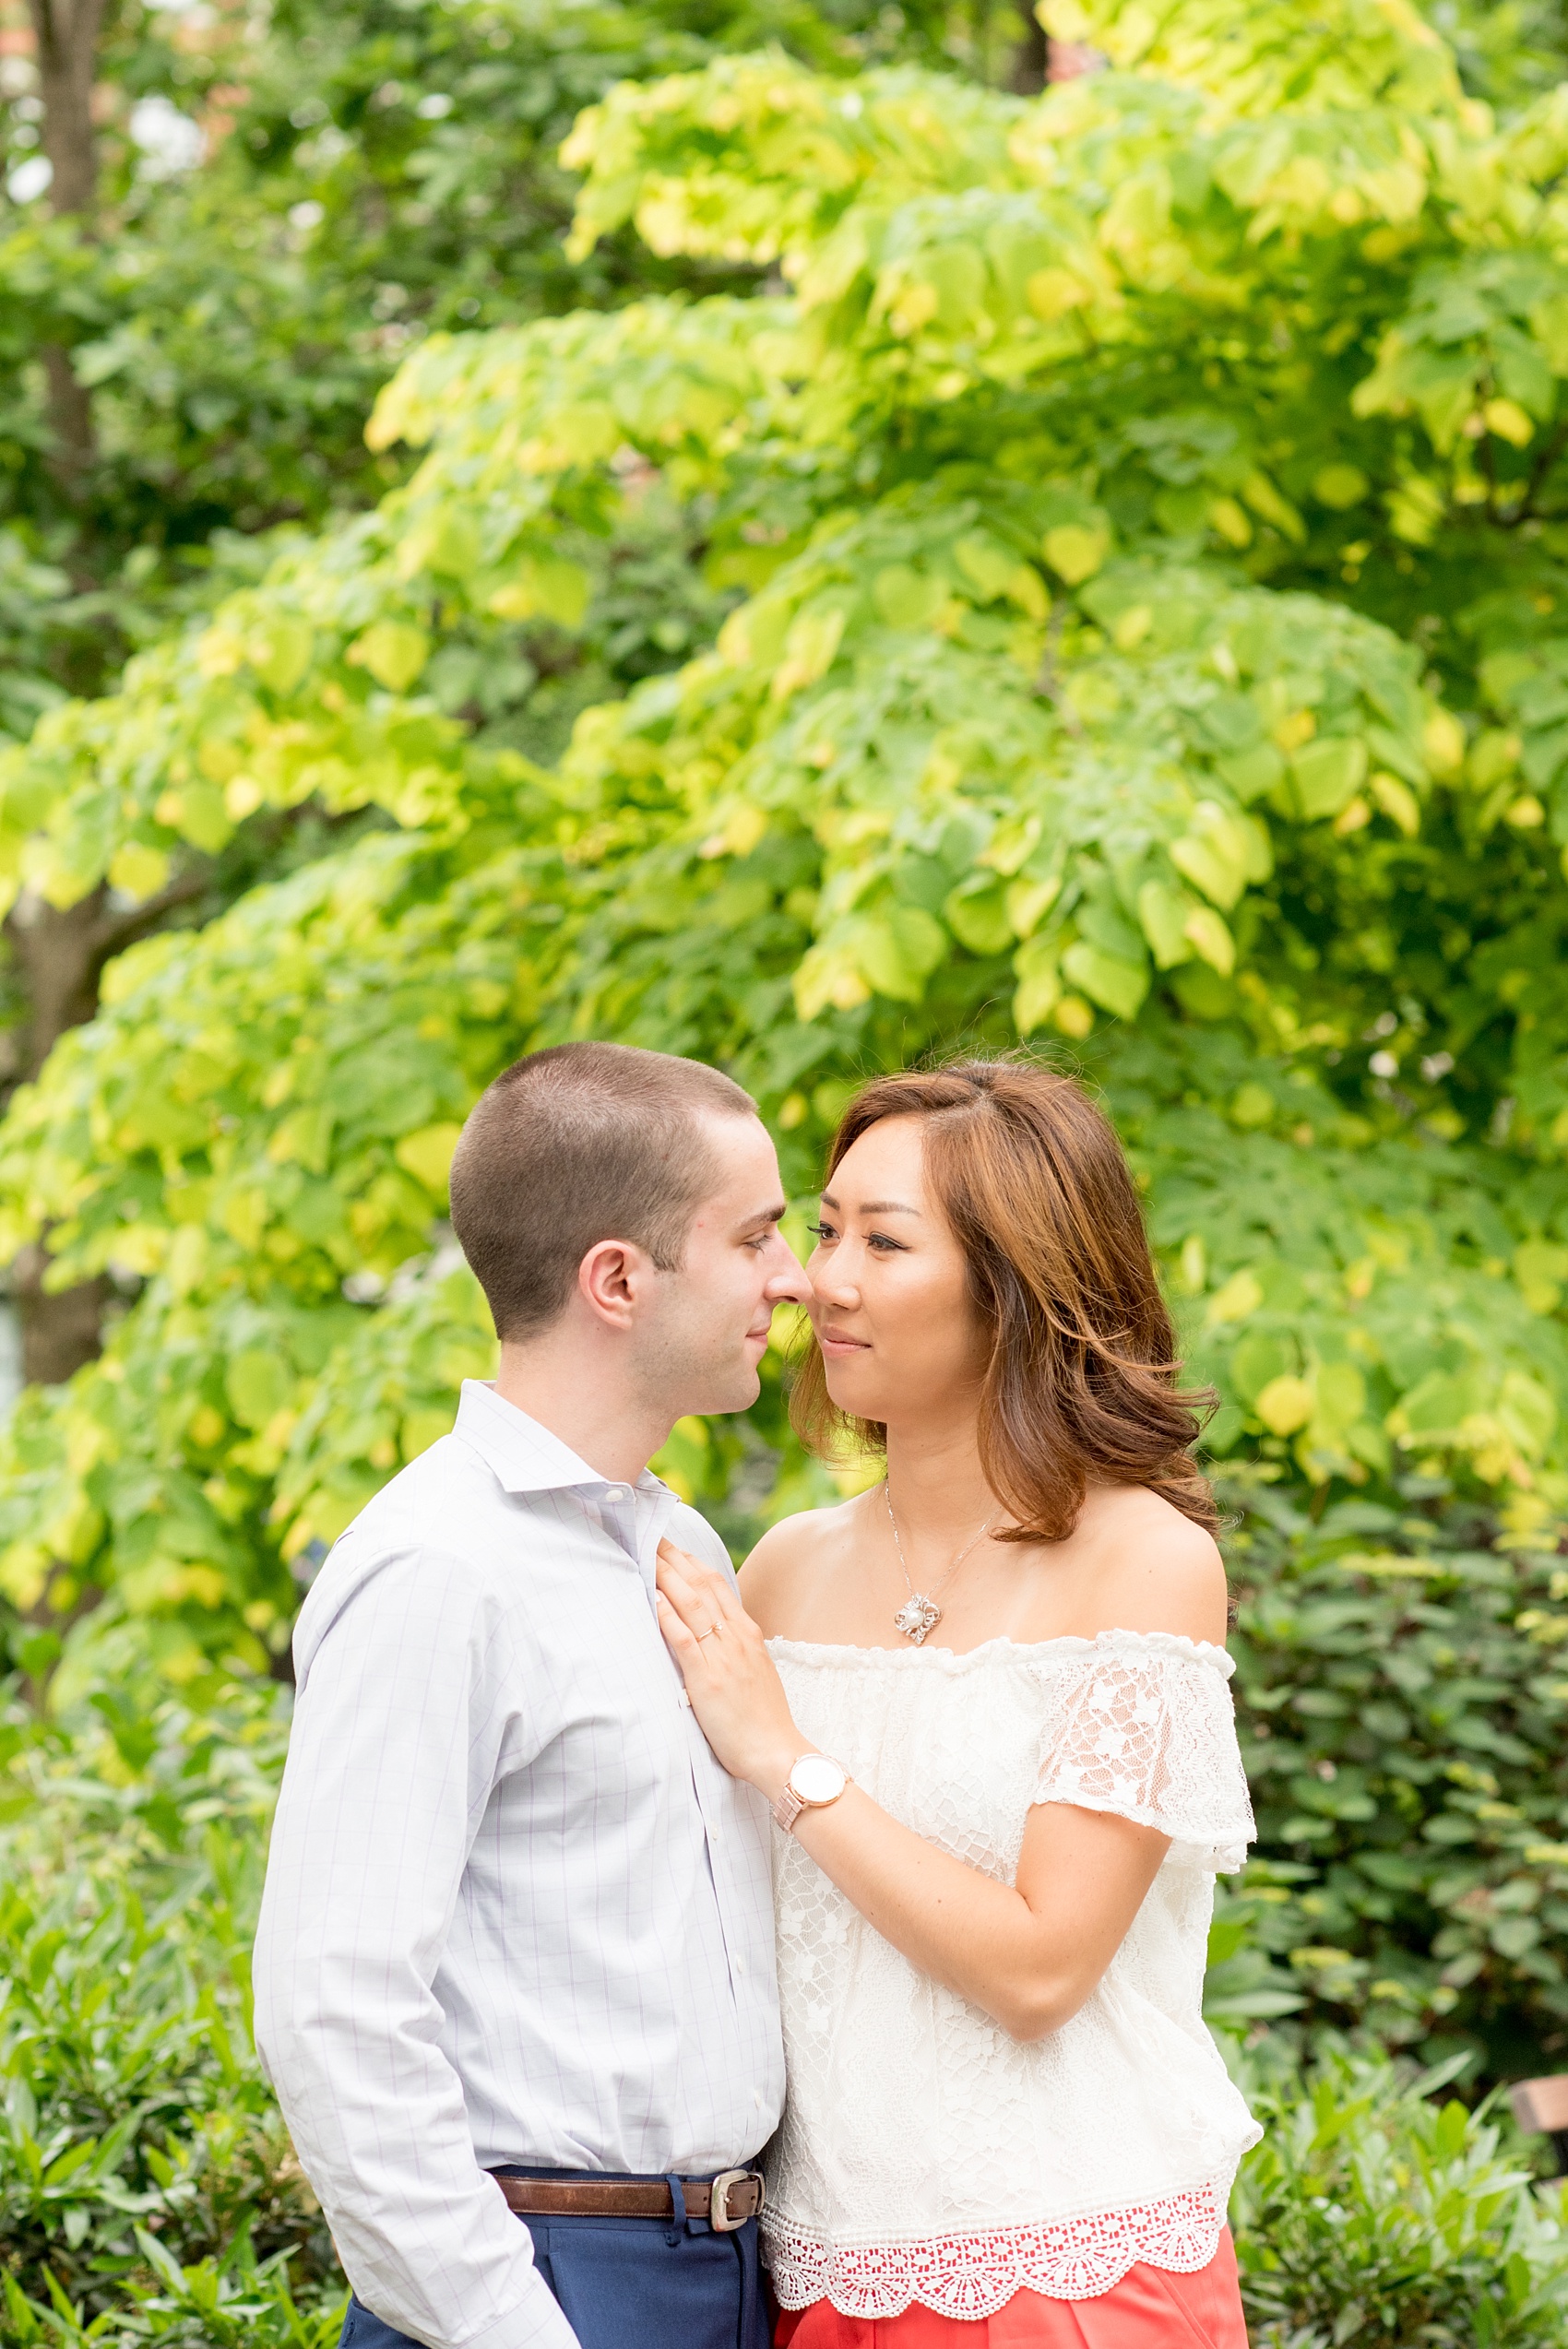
(518, 1918)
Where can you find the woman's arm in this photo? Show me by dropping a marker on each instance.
(1028, 1954)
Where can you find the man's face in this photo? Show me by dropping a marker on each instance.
(700, 1348)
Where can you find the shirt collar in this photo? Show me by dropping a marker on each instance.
(525, 1457)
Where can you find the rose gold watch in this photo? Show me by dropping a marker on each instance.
(813, 1782)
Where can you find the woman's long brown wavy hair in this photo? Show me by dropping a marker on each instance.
(1080, 1387)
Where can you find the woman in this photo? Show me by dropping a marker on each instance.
(1006, 2123)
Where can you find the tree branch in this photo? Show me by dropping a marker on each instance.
(67, 33)
(119, 931)
(1526, 509)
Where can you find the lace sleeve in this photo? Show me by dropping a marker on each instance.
(1143, 1725)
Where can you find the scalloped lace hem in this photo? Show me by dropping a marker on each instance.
(974, 2274)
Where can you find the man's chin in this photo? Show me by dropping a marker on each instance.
(736, 1393)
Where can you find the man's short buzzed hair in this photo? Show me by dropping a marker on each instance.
(573, 1146)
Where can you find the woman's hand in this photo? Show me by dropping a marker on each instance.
(736, 1693)
(1029, 1953)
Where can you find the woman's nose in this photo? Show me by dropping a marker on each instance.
(831, 1281)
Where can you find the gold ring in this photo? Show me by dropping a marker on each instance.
(708, 1634)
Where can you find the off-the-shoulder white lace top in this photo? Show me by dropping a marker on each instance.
(923, 2154)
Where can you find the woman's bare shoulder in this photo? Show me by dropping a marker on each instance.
(788, 1561)
(1154, 1568)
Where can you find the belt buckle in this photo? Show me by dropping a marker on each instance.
(718, 2216)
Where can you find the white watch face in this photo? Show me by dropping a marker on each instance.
(815, 1779)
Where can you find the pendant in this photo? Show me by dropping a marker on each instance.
(917, 1618)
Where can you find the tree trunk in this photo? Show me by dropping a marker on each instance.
(70, 419)
(1030, 58)
(61, 952)
(60, 1328)
(67, 33)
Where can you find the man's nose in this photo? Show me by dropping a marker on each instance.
(787, 1281)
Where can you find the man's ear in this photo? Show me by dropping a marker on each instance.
(613, 1280)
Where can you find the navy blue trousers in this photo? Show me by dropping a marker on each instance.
(631, 2283)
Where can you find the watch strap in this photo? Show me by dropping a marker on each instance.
(788, 1808)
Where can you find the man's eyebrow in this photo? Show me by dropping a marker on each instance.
(773, 1214)
(873, 1206)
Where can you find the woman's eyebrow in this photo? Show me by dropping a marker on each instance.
(872, 1206)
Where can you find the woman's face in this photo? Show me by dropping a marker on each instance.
(890, 1301)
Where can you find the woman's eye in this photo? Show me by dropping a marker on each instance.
(820, 1232)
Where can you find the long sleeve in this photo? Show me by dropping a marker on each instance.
(400, 1731)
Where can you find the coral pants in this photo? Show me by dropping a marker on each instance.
(1149, 2309)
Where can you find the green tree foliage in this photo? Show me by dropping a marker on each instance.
(1122, 545)
(371, 173)
(258, 212)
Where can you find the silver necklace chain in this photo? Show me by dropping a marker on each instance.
(919, 1616)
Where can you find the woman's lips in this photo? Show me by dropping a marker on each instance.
(835, 1342)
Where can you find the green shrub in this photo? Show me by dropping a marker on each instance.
(1370, 2214)
(148, 2188)
(149, 2199)
(1401, 1700)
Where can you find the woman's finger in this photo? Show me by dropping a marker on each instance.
(681, 1591)
(722, 1588)
(695, 1611)
(674, 1565)
(683, 1641)
(706, 1581)
(700, 1601)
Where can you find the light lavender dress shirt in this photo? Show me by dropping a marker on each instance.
(514, 1909)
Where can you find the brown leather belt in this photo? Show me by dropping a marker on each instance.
(726, 2202)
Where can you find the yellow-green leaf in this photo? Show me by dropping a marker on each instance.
(1285, 1404)
(1211, 936)
(1163, 913)
(897, 951)
(1040, 985)
(1075, 551)
(1328, 773)
(1115, 985)
(394, 651)
(979, 918)
(427, 1155)
(281, 652)
(908, 599)
(258, 1385)
(547, 587)
(139, 871)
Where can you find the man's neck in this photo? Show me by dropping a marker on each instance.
(584, 1404)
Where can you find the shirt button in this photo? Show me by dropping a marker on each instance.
(617, 1492)
(740, 1965)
